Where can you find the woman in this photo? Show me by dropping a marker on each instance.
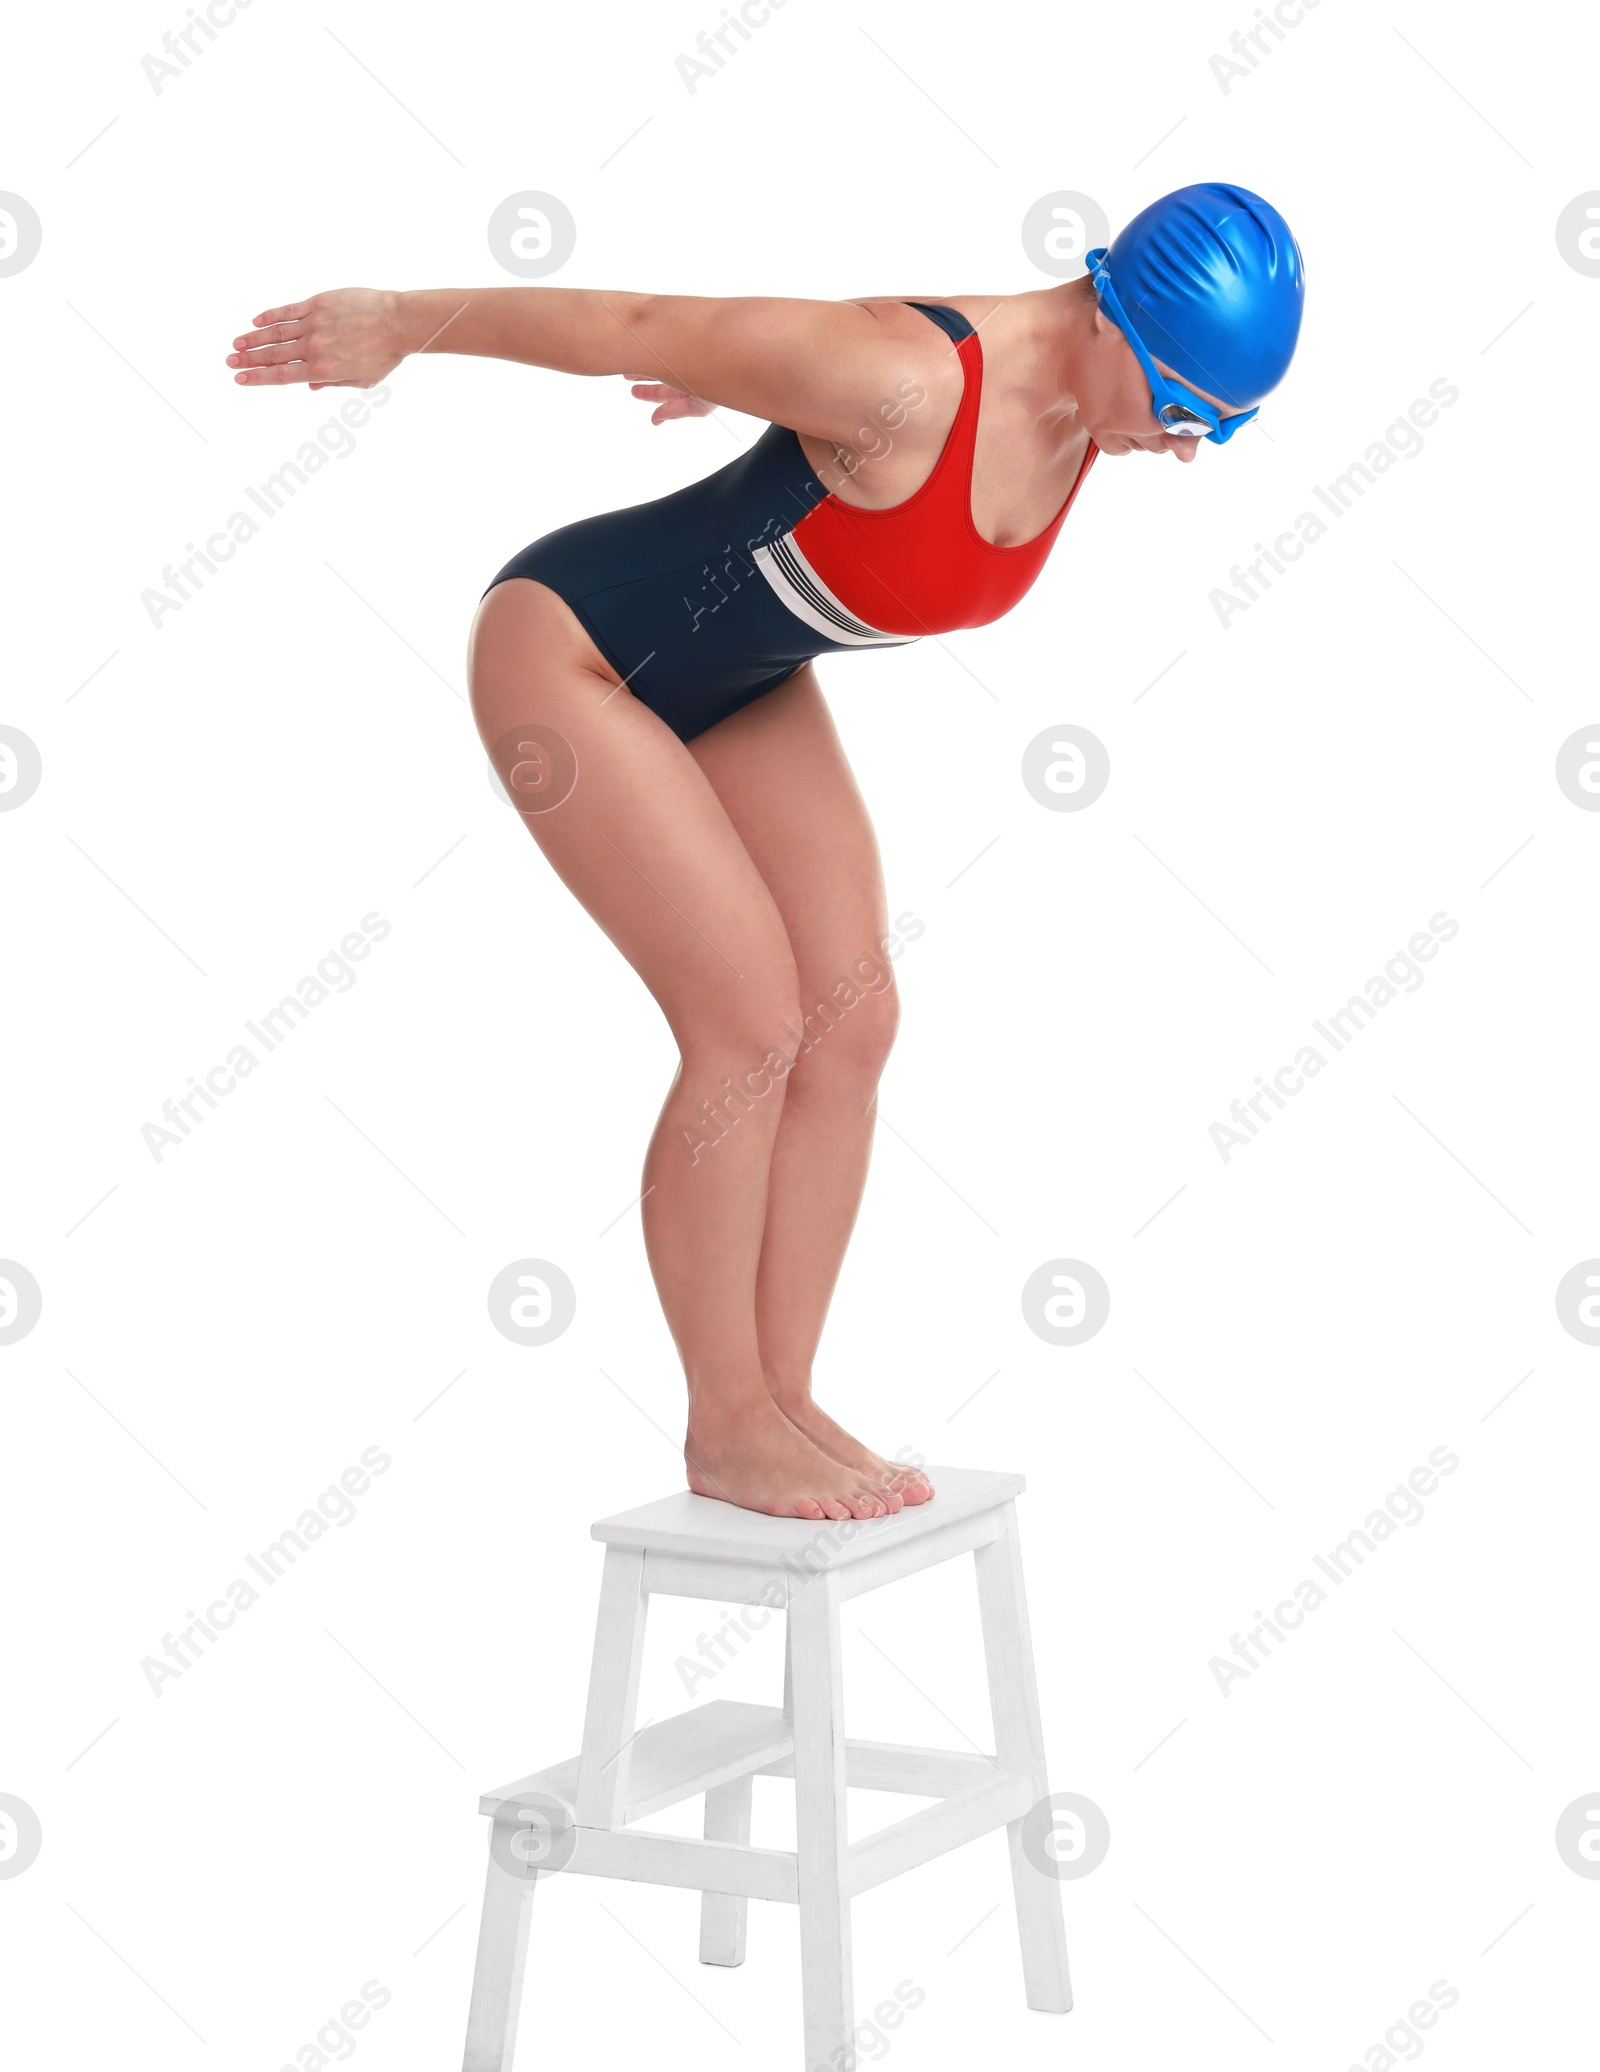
(644, 683)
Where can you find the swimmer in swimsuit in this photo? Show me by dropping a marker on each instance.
(644, 681)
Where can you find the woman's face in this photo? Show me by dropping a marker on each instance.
(1119, 410)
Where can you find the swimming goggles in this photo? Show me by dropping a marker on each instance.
(1177, 409)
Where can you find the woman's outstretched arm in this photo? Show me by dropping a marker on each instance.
(822, 368)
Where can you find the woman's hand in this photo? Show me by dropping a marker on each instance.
(347, 338)
(669, 402)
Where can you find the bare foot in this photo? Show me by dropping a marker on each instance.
(890, 1478)
(758, 1459)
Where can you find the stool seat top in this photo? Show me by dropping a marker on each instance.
(684, 1523)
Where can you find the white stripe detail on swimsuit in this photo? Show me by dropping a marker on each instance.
(797, 585)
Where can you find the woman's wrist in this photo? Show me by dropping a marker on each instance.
(406, 321)
(418, 316)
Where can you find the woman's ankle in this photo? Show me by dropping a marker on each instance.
(789, 1391)
(719, 1411)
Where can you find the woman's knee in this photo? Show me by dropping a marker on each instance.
(848, 1040)
(751, 1027)
(736, 1064)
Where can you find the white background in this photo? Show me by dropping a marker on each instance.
(226, 1329)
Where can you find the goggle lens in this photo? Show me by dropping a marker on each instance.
(1175, 417)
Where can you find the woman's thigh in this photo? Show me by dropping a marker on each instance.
(630, 823)
(780, 771)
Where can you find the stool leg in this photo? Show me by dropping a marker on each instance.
(497, 1979)
(723, 1914)
(822, 1841)
(1019, 1745)
(613, 1690)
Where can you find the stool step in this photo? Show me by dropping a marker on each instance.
(711, 1744)
(673, 1759)
(686, 1524)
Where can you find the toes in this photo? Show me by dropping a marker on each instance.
(808, 1507)
(835, 1509)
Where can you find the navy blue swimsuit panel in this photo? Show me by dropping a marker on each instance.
(668, 591)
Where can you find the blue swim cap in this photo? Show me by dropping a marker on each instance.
(1212, 280)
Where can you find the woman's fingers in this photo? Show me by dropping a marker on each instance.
(670, 402)
(272, 366)
(272, 334)
(278, 316)
(273, 377)
(268, 355)
(278, 345)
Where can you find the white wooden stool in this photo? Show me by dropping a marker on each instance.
(579, 1815)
